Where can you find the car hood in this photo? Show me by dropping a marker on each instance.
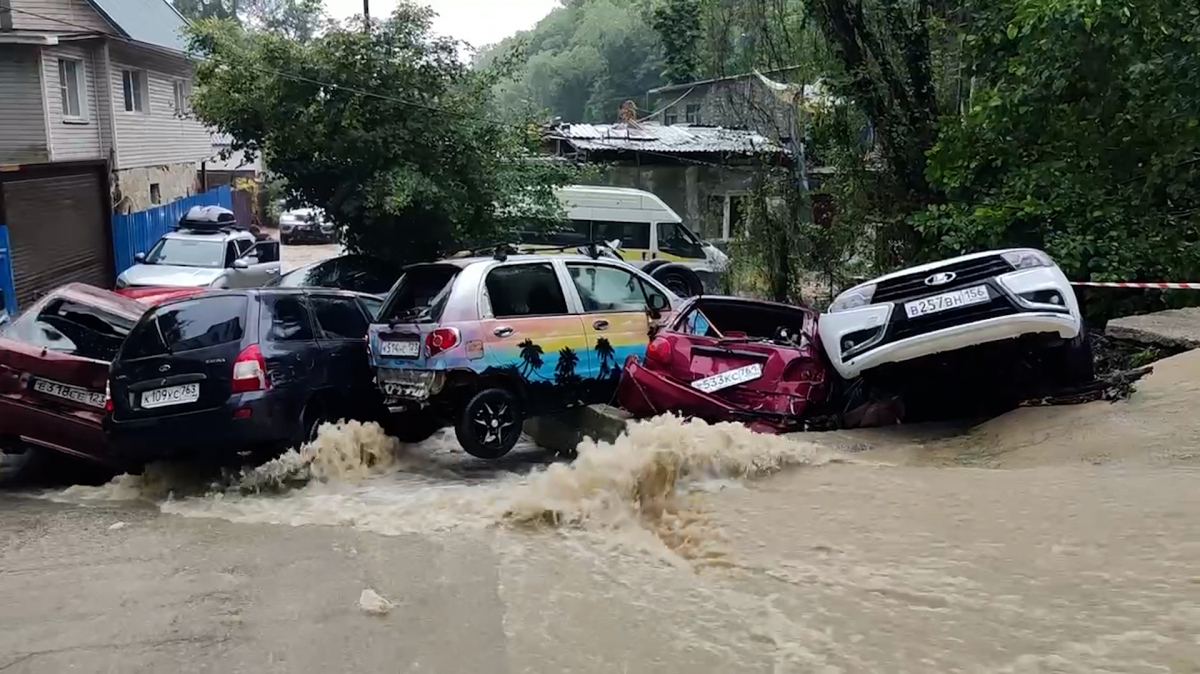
(171, 276)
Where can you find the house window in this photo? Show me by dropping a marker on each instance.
(71, 87)
(183, 92)
(671, 117)
(134, 83)
(692, 114)
(155, 194)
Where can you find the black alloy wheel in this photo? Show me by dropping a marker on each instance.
(490, 424)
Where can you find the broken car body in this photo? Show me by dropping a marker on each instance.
(731, 359)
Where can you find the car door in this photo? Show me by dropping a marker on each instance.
(615, 320)
(296, 366)
(54, 362)
(342, 324)
(186, 348)
(260, 269)
(530, 330)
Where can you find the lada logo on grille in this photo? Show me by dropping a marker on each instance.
(940, 279)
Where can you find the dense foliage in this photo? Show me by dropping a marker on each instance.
(1082, 137)
(582, 61)
(386, 129)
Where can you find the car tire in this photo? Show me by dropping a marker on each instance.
(25, 468)
(1072, 363)
(412, 427)
(490, 423)
(679, 279)
(308, 425)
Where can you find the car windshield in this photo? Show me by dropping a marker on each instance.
(188, 253)
(68, 326)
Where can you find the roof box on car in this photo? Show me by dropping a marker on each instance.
(208, 219)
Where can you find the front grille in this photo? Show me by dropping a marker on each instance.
(903, 327)
(969, 272)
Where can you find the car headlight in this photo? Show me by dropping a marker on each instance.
(853, 299)
(121, 282)
(1027, 259)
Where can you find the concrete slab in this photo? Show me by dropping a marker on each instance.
(1176, 328)
(563, 432)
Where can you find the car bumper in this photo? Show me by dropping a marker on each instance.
(248, 421)
(404, 388)
(884, 327)
(307, 235)
(645, 393)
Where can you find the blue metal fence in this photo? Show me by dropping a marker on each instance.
(136, 232)
(8, 294)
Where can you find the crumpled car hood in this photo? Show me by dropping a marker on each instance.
(168, 275)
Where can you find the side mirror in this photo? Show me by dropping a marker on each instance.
(139, 258)
(241, 263)
(656, 304)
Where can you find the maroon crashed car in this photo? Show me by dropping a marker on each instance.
(54, 360)
(731, 359)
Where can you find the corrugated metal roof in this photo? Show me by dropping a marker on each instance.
(676, 139)
(153, 22)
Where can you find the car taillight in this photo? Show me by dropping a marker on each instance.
(249, 371)
(659, 351)
(108, 401)
(441, 340)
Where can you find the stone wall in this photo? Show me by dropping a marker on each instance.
(132, 186)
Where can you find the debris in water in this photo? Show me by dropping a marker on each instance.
(1111, 387)
(116, 526)
(370, 602)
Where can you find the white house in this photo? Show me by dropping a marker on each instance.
(93, 120)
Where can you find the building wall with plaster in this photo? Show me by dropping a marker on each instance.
(133, 192)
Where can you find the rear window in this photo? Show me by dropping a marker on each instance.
(195, 324)
(71, 327)
(420, 295)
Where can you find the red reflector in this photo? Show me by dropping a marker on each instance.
(242, 413)
(249, 371)
(442, 339)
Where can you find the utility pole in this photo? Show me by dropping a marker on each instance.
(367, 15)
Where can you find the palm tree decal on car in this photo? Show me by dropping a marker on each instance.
(531, 357)
(565, 372)
(607, 356)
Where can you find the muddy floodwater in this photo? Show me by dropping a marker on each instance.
(1049, 540)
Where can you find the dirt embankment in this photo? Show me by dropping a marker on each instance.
(1158, 425)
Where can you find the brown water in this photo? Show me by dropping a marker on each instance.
(744, 552)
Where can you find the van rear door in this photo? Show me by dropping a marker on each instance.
(179, 358)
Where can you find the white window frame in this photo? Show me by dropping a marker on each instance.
(182, 90)
(140, 99)
(81, 115)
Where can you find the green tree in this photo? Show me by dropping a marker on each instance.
(1082, 137)
(677, 23)
(580, 62)
(387, 130)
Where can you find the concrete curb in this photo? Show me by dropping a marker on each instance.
(563, 432)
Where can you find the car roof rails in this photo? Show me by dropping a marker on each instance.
(209, 219)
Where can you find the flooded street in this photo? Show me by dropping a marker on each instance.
(1048, 540)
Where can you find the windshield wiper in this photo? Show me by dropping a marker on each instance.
(162, 337)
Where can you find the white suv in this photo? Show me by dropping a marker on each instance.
(954, 304)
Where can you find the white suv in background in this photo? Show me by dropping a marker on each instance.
(954, 304)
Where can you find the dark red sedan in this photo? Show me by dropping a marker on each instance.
(731, 359)
(54, 361)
